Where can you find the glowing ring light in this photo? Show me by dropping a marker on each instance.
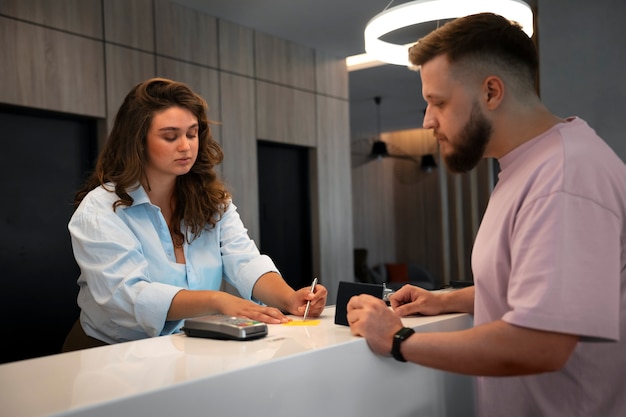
(422, 11)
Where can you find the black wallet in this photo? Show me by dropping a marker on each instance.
(346, 291)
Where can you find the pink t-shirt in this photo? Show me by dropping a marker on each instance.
(551, 255)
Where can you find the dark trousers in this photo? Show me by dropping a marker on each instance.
(77, 339)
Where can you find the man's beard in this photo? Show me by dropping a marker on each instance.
(471, 142)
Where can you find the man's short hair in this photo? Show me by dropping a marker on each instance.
(483, 39)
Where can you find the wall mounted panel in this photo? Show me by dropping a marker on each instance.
(129, 23)
(125, 68)
(185, 34)
(334, 186)
(331, 75)
(285, 115)
(51, 70)
(239, 168)
(236, 51)
(373, 210)
(83, 17)
(284, 62)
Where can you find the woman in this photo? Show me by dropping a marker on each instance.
(155, 230)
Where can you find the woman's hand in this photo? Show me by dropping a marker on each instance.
(303, 295)
(236, 306)
(194, 303)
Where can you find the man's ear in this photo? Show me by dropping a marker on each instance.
(493, 91)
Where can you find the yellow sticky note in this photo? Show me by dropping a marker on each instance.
(302, 323)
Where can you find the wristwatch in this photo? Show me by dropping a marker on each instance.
(400, 336)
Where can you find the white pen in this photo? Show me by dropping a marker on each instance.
(308, 303)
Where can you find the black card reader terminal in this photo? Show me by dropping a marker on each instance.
(223, 327)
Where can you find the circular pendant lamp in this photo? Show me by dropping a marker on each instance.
(422, 11)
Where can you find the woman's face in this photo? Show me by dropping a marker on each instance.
(172, 144)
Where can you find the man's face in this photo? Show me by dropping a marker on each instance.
(457, 120)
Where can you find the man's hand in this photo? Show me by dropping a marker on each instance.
(370, 318)
(413, 300)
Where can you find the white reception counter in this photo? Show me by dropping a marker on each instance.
(295, 371)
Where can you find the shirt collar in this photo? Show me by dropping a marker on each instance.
(139, 195)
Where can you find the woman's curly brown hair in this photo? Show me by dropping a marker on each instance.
(201, 197)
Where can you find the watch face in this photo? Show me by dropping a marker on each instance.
(404, 333)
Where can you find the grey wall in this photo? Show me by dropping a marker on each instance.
(582, 49)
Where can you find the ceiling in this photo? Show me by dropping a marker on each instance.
(336, 27)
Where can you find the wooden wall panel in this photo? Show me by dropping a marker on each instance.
(418, 210)
(285, 115)
(417, 215)
(51, 70)
(474, 188)
(458, 256)
(239, 168)
(185, 34)
(446, 243)
(284, 62)
(129, 23)
(125, 68)
(334, 217)
(331, 75)
(373, 211)
(451, 220)
(236, 51)
(82, 17)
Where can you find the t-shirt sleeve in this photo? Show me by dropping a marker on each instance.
(566, 257)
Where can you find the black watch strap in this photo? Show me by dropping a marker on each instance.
(400, 336)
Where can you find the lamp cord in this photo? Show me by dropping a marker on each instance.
(388, 4)
(377, 100)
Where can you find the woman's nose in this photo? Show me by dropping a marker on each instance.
(183, 144)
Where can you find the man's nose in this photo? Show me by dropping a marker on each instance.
(429, 119)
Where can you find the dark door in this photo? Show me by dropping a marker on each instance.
(44, 159)
(285, 213)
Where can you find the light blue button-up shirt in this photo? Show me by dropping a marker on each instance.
(129, 273)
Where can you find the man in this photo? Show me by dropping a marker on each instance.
(549, 260)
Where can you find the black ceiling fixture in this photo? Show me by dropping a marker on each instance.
(379, 147)
(374, 148)
(428, 163)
